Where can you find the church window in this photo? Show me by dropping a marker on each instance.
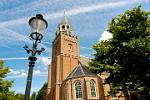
(70, 47)
(78, 89)
(92, 88)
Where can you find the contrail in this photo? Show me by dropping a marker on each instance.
(24, 58)
(74, 11)
(21, 58)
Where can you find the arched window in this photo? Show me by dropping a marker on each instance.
(78, 89)
(93, 88)
(67, 26)
(63, 27)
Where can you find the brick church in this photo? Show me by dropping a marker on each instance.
(68, 76)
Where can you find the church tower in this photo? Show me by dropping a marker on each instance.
(68, 77)
(65, 57)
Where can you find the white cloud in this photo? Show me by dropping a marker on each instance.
(40, 73)
(105, 36)
(46, 61)
(17, 58)
(43, 62)
(73, 11)
(8, 35)
(14, 72)
(99, 6)
(86, 55)
(90, 8)
(23, 74)
(86, 48)
(16, 21)
(36, 72)
(22, 58)
(26, 7)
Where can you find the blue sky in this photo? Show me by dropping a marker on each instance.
(89, 19)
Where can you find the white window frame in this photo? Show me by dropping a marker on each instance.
(79, 92)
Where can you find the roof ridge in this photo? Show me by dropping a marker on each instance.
(82, 70)
(73, 71)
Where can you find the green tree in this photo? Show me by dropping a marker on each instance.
(5, 85)
(41, 94)
(126, 56)
(33, 96)
(19, 96)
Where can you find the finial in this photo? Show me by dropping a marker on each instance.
(64, 12)
(65, 18)
(39, 16)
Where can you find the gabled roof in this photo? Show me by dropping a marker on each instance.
(80, 70)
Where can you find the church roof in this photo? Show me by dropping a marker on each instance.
(64, 21)
(84, 60)
(80, 70)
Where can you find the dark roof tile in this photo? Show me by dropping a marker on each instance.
(80, 70)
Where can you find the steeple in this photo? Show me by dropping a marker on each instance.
(64, 26)
(65, 57)
(64, 20)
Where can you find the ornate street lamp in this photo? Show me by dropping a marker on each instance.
(38, 25)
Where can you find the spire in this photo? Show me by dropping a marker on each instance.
(64, 25)
(64, 20)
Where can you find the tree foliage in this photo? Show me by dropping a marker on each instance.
(18, 96)
(5, 85)
(126, 56)
(33, 96)
(5, 93)
(41, 94)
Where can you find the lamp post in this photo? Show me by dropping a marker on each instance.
(38, 25)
